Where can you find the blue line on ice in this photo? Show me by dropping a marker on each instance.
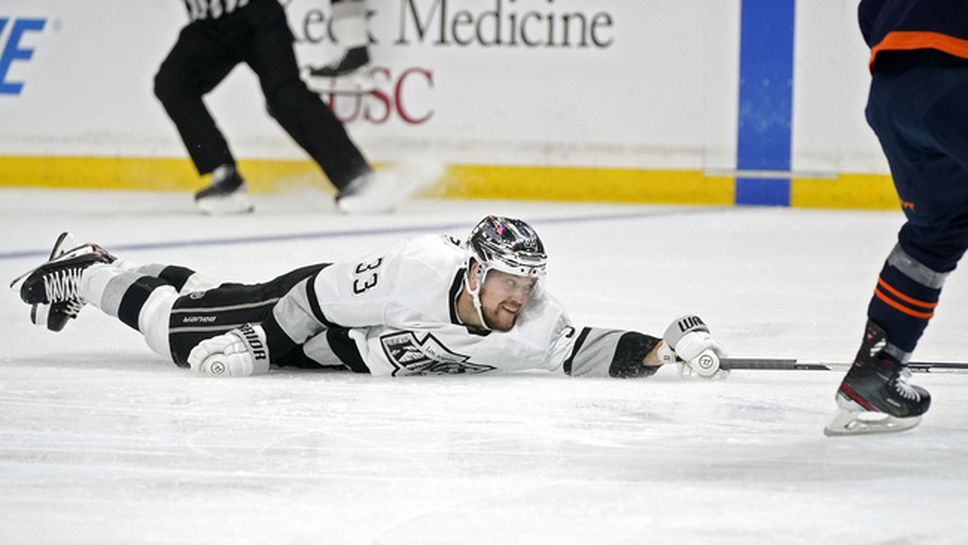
(429, 227)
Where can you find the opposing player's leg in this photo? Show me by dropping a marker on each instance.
(919, 119)
(350, 74)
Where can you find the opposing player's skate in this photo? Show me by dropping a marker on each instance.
(875, 396)
(226, 194)
(348, 75)
(52, 288)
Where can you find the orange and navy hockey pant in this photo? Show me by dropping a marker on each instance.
(917, 109)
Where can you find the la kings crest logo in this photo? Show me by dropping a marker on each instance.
(413, 356)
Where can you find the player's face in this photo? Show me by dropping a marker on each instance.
(503, 296)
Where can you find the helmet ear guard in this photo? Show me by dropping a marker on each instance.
(475, 292)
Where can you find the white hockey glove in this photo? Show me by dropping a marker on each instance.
(687, 343)
(238, 353)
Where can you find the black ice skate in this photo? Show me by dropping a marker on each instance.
(52, 288)
(226, 194)
(348, 75)
(875, 396)
(361, 191)
(55, 316)
(375, 192)
(381, 191)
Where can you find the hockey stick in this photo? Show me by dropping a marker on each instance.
(804, 365)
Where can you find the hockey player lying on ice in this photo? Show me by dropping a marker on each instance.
(429, 305)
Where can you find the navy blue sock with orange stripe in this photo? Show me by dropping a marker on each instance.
(902, 307)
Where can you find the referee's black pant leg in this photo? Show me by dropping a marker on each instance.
(198, 62)
(302, 114)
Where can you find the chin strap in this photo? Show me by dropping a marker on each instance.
(475, 293)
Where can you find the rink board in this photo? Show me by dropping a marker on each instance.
(667, 101)
(603, 184)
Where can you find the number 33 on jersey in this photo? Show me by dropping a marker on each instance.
(367, 275)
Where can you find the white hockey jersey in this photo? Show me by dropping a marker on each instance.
(398, 307)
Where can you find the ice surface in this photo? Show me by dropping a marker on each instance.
(103, 443)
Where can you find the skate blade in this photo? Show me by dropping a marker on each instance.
(64, 239)
(39, 314)
(867, 422)
(236, 203)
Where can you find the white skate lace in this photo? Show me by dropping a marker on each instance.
(73, 307)
(902, 387)
(62, 286)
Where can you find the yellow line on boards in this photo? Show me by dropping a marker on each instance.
(585, 184)
(582, 184)
(853, 191)
(147, 174)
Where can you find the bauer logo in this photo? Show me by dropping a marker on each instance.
(15, 50)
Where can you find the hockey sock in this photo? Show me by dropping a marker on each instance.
(172, 275)
(141, 302)
(183, 279)
(904, 300)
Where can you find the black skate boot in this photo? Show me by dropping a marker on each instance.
(52, 288)
(375, 192)
(55, 316)
(875, 396)
(226, 193)
(348, 75)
